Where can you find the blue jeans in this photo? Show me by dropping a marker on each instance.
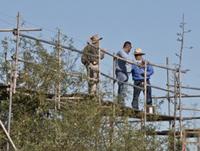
(122, 77)
(136, 93)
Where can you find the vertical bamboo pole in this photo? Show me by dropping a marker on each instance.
(175, 108)
(14, 78)
(59, 67)
(180, 105)
(169, 102)
(168, 94)
(10, 105)
(145, 91)
(113, 74)
(145, 101)
(99, 74)
(56, 96)
(6, 68)
(16, 54)
(179, 75)
(112, 118)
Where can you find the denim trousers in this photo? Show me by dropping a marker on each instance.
(122, 88)
(136, 93)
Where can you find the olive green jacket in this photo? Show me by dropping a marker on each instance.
(91, 55)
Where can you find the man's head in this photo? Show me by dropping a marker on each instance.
(127, 46)
(95, 39)
(138, 54)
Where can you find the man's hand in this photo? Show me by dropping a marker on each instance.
(143, 63)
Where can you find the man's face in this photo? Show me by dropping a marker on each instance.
(96, 43)
(138, 57)
(128, 48)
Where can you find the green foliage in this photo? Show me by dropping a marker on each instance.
(80, 125)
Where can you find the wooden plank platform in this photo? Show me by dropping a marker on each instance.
(106, 107)
(133, 113)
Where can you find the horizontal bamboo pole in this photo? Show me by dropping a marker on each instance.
(187, 87)
(183, 96)
(107, 76)
(12, 30)
(110, 54)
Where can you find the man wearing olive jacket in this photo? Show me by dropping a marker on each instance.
(138, 77)
(90, 59)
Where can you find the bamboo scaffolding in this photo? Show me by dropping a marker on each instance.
(79, 51)
(178, 95)
(16, 31)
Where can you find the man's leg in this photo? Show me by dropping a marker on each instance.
(136, 94)
(94, 78)
(121, 87)
(149, 96)
(121, 93)
(90, 75)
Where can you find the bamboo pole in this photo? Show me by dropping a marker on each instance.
(168, 95)
(179, 74)
(112, 118)
(16, 31)
(13, 84)
(175, 108)
(16, 54)
(8, 136)
(168, 98)
(26, 30)
(59, 67)
(99, 78)
(190, 109)
(129, 84)
(114, 100)
(186, 87)
(106, 52)
(183, 96)
(145, 93)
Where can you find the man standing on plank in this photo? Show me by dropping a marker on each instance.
(138, 77)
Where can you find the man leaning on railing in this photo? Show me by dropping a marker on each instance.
(121, 71)
(138, 73)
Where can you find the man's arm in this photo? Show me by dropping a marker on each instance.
(102, 53)
(123, 54)
(84, 57)
(150, 70)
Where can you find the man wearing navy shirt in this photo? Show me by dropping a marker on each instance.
(138, 77)
(121, 71)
